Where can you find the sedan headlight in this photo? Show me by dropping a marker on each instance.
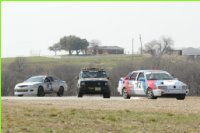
(31, 86)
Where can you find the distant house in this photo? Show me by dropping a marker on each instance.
(191, 53)
(105, 50)
(176, 52)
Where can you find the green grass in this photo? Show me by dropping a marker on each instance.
(107, 61)
(26, 119)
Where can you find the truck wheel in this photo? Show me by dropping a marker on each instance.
(40, 91)
(181, 97)
(106, 95)
(79, 93)
(150, 94)
(125, 94)
(60, 91)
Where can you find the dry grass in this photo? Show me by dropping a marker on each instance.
(101, 116)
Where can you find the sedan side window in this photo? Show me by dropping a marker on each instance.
(51, 79)
(141, 75)
(47, 80)
(133, 76)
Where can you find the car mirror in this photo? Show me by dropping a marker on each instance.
(108, 78)
(141, 79)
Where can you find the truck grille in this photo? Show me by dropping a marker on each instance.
(94, 84)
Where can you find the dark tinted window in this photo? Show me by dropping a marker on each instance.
(133, 76)
(93, 74)
(141, 75)
(159, 76)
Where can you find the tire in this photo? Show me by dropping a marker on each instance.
(150, 94)
(20, 95)
(79, 93)
(125, 94)
(60, 91)
(181, 97)
(40, 92)
(106, 95)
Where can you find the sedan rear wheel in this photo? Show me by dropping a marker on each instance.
(150, 94)
(60, 91)
(181, 97)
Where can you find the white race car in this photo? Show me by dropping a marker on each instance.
(40, 85)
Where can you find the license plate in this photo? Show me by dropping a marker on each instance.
(97, 88)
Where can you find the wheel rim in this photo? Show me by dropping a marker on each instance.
(149, 93)
(124, 93)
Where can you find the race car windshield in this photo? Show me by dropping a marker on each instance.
(159, 76)
(35, 79)
(93, 74)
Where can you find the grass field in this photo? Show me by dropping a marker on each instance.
(102, 60)
(101, 116)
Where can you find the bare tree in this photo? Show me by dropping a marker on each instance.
(95, 44)
(159, 47)
(19, 64)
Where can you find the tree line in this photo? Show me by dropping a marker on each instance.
(70, 44)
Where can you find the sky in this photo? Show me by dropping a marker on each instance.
(29, 28)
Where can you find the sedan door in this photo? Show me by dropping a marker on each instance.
(132, 83)
(54, 83)
(140, 85)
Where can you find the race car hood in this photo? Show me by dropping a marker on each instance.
(27, 83)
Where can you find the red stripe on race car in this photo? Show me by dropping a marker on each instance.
(152, 84)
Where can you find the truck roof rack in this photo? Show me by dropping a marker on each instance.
(92, 69)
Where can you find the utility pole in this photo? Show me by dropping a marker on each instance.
(132, 48)
(141, 44)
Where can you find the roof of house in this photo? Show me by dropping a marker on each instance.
(191, 51)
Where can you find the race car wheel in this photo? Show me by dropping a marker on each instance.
(150, 94)
(60, 91)
(40, 92)
(125, 94)
(181, 97)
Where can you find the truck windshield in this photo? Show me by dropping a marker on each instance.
(159, 76)
(93, 74)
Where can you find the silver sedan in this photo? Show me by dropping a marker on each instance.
(41, 85)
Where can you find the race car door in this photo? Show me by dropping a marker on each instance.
(132, 82)
(139, 86)
(54, 83)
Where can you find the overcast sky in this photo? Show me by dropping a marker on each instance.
(31, 27)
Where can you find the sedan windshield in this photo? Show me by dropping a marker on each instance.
(93, 74)
(35, 79)
(159, 76)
